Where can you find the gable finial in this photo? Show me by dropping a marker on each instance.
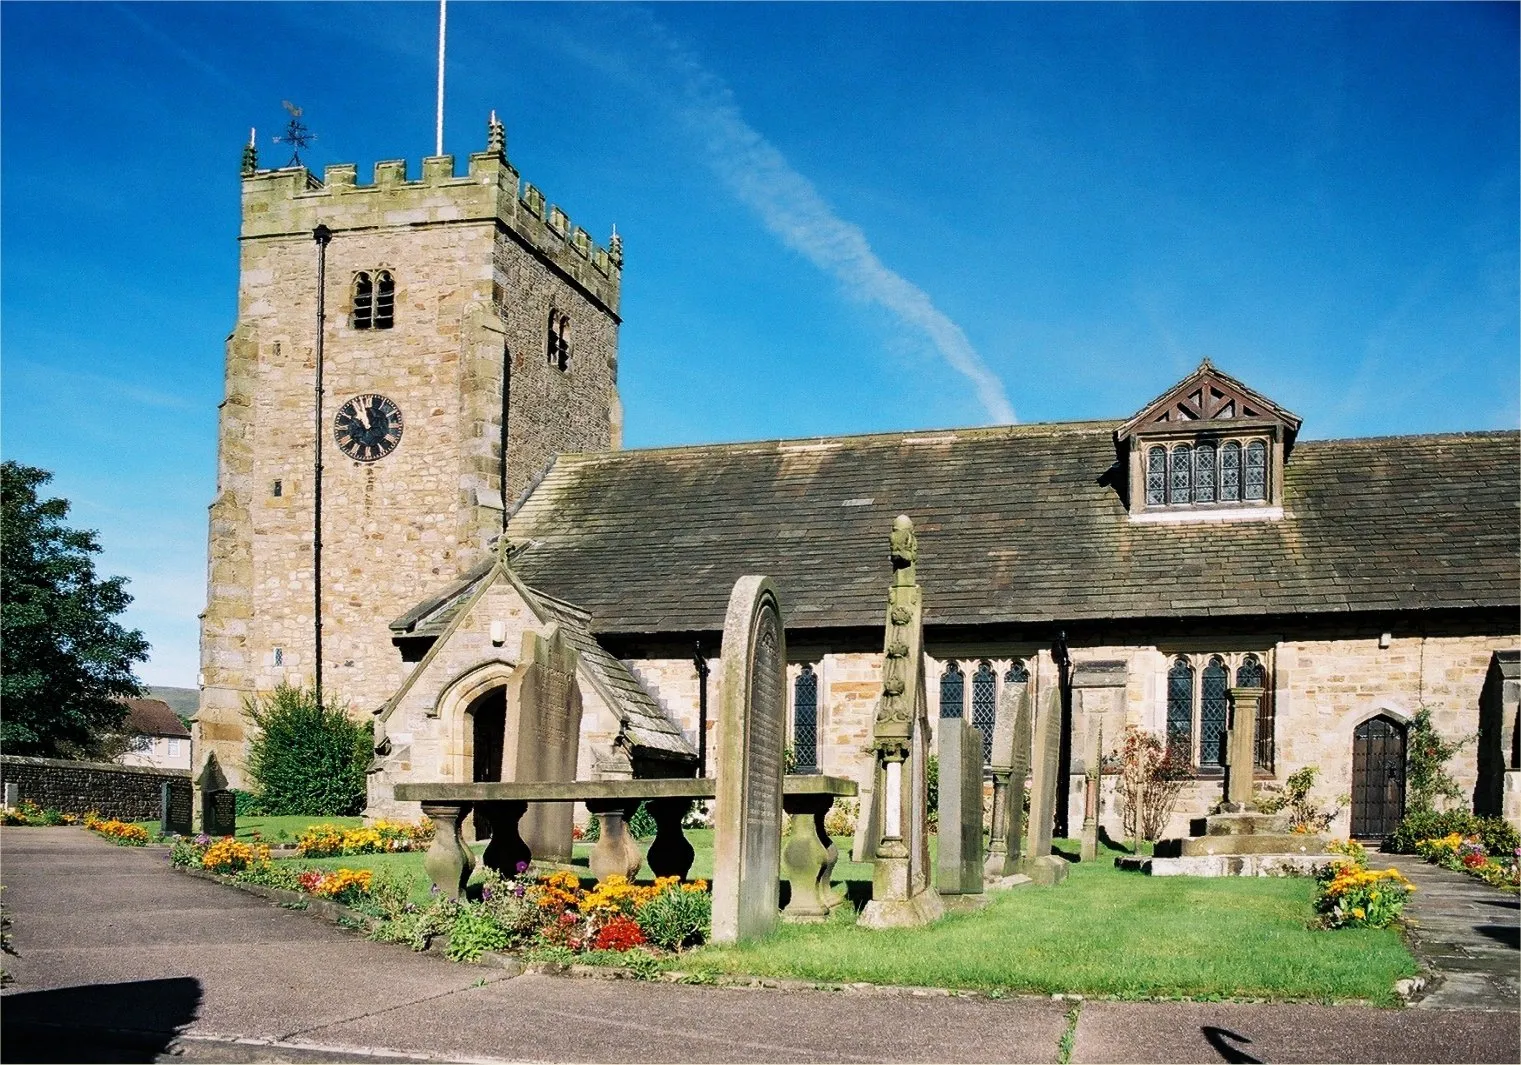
(250, 155)
(1206, 364)
(496, 137)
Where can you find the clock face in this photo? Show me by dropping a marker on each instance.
(367, 428)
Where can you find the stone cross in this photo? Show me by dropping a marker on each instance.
(959, 863)
(748, 738)
(1038, 863)
(1241, 750)
(542, 737)
(1011, 768)
(902, 893)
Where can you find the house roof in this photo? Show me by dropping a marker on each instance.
(1016, 524)
(154, 717)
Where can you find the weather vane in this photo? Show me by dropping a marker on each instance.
(296, 134)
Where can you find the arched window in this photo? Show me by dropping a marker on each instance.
(1181, 488)
(1253, 674)
(363, 315)
(1204, 473)
(1213, 707)
(1156, 477)
(805, 720)
(552, 338)
(1018, 673)
(1230, 473)
(952, 691)
(385, 299)
(1256, 471)
(985, 705)
(1180, 707)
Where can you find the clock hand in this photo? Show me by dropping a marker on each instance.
(362, 415)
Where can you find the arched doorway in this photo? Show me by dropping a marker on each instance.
(488, 722)
(1378, 776)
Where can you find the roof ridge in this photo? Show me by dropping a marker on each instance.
(1450, 434)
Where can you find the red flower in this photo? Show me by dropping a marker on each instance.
(619, 933)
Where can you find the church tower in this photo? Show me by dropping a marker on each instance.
(470, 334)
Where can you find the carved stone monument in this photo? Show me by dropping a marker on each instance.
(218, 805)
(542, 737)
(902, 893)
(1092, 777)
(174, 810)
(958, 866)
(1011, 768)
(752, 722)
(1038, 863)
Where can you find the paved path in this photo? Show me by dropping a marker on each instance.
(123, 960)
(1466, 934)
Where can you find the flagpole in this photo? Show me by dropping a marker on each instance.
(443, 8)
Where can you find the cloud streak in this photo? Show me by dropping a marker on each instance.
(789, 205)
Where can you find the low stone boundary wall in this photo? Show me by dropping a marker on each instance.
(128, 793)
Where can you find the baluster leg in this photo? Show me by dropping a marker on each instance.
(448, 862)
(805, 860)
(507, 848)
(670, 852)
(615, 852)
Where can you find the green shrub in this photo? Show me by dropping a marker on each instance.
(1426, 756)
(248, 804)
(676, 918)
(1497, 835)
(642, 824)
(473, 933)
(307, 759)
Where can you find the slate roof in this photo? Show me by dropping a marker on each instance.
(1016, 524)
(154, 717)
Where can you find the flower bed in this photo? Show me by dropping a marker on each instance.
(121, 833)
(326, 841)
(1468, 855)
(27, 813)
(1351, 895)
(555, 913)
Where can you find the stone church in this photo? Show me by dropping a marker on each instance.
(462, 485)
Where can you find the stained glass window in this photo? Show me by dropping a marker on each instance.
(1204, 473)
(1156, 477)
(1230, 473)
(1256, 470)
(985, 706)
(805, 721)
(1182, 475)
(952, 691)
(1180, 706)
(1213, 706)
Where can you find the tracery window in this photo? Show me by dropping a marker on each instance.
(1207, 473)
(805, 720)
(374, 300)
(952, 691)
(985, 705)
(1202, 709)
(557, 344)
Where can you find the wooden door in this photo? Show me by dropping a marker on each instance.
(1378, 777)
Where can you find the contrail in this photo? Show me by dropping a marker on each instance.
(792, 209)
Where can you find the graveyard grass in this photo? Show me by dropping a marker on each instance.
(1105, 933)
(269, 828)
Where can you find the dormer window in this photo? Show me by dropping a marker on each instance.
(1209, 448)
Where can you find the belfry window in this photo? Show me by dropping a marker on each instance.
(557, 342)
(374, 300)
(805, 720)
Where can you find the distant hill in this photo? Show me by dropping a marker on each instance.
(183, 701)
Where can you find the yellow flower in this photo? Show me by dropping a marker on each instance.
(1357, 911)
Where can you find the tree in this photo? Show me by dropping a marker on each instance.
(65, 663)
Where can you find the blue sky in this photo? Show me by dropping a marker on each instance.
(838, 218)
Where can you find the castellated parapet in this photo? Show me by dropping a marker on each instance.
(479, 266)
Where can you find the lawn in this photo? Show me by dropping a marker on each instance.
(1102, 932)
(270, 828)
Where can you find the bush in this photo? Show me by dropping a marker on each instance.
(1495, 833)
(472, 934)
(677, 917)
(1427, 754)
(1305, 814)
(307, 759)
(1351, 896)
(248, 804)
(1151, 779)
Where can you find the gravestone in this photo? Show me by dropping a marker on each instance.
(12, 796)
(752, 721)
(1092, 776)
(959, 863)
(902, 891)
(1241, 750)
(174, 811)
(1011, 769)
(1038, 863)
(219, 807)
(542, 736)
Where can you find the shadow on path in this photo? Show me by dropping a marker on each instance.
(1219, 1039)
(98, 1022)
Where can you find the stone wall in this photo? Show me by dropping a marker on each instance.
(477, 264)
(128, 793)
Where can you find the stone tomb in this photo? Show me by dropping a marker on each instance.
(749, 737)
(1038, 863)
(541, 740)
(958, 866)
(219, 807)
